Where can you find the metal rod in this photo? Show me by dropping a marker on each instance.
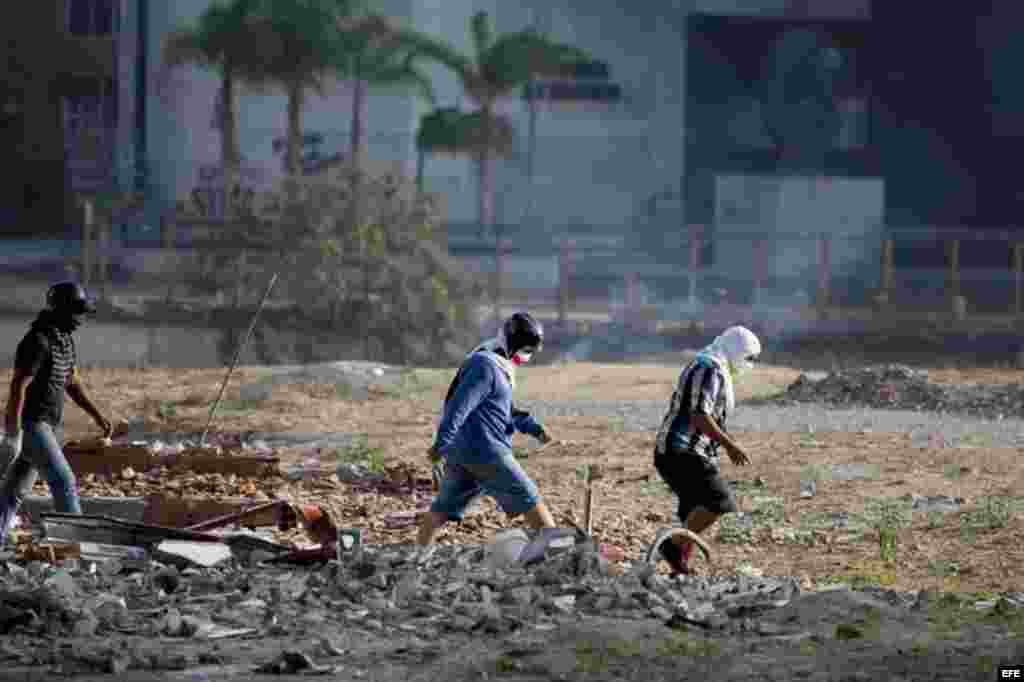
(234, 361)
(588, 501)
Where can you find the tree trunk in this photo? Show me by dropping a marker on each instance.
(356, 149)
(230, 153)
(293, 158)
(531, 153)
(421, 160)
(486, 195)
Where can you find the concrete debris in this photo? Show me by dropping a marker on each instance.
(352, 472)
(905, 388)
(808, 488)
(202, 554)
(398, 589)
(929, 504)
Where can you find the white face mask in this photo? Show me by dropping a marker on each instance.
(521, 358)
(741, 367)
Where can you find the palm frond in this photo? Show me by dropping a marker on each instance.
(515, 58)
(481, 32)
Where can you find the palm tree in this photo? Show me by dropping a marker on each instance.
(499, 67)
(301, 45)
(378, 53)
(219, 40)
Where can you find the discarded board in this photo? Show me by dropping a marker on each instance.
(203, 461)
(126, 508)
(202, 514)
(109, 531)
(111, 461)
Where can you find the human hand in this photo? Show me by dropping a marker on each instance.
(10, 447)
(738, 456)
(105, 426)
(544, 437)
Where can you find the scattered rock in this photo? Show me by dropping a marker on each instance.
(905, 388)
(928, 504)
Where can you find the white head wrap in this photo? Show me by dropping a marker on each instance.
(730, 351)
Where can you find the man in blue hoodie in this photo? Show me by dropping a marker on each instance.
(474, 437)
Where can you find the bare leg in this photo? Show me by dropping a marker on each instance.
(429, 525)
(701, 519)
(540, 516)
(698, 521)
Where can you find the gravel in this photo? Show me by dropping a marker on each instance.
(926, 427)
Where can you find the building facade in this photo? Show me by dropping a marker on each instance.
(67, 107)
(714, 127)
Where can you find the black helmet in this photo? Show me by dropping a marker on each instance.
(522, 331)
(69, 298)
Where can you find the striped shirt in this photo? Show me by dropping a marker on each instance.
(49, 355)
(699, 392)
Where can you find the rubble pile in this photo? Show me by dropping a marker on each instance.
(902, 387)
(392, 591)
(378, 589)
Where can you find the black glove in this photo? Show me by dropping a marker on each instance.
(543, 437)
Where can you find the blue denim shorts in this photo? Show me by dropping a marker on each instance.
(504, 479)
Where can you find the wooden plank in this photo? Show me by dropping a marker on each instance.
(111, 461)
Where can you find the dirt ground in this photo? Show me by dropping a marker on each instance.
(950, 552)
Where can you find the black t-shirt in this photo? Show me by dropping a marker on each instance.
(49, 355)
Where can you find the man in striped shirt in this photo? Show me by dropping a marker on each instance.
(44, 370)
(693, 430)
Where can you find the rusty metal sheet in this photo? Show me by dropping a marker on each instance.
(183, 512)
(278, 513)
(109, 531)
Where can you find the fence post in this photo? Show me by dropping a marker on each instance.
(824, 272)
(563, 282)
(886, 271)
(631, 314)
(953, 250)
(1018, 276)
(499, 262)
(88, 227)
(760, 269)
(696, 242)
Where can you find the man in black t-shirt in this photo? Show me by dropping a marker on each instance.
(44, 370)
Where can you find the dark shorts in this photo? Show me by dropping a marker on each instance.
(696, 482)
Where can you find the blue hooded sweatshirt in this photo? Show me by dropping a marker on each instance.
(479, 418)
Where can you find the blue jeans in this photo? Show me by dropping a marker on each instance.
(40, 451)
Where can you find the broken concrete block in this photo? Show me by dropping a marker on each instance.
(62, 583)
(125, 508)
(506, 548)
(808, 488)
(202, 554)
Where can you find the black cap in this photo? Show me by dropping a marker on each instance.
(522, 331)
(69, 298)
